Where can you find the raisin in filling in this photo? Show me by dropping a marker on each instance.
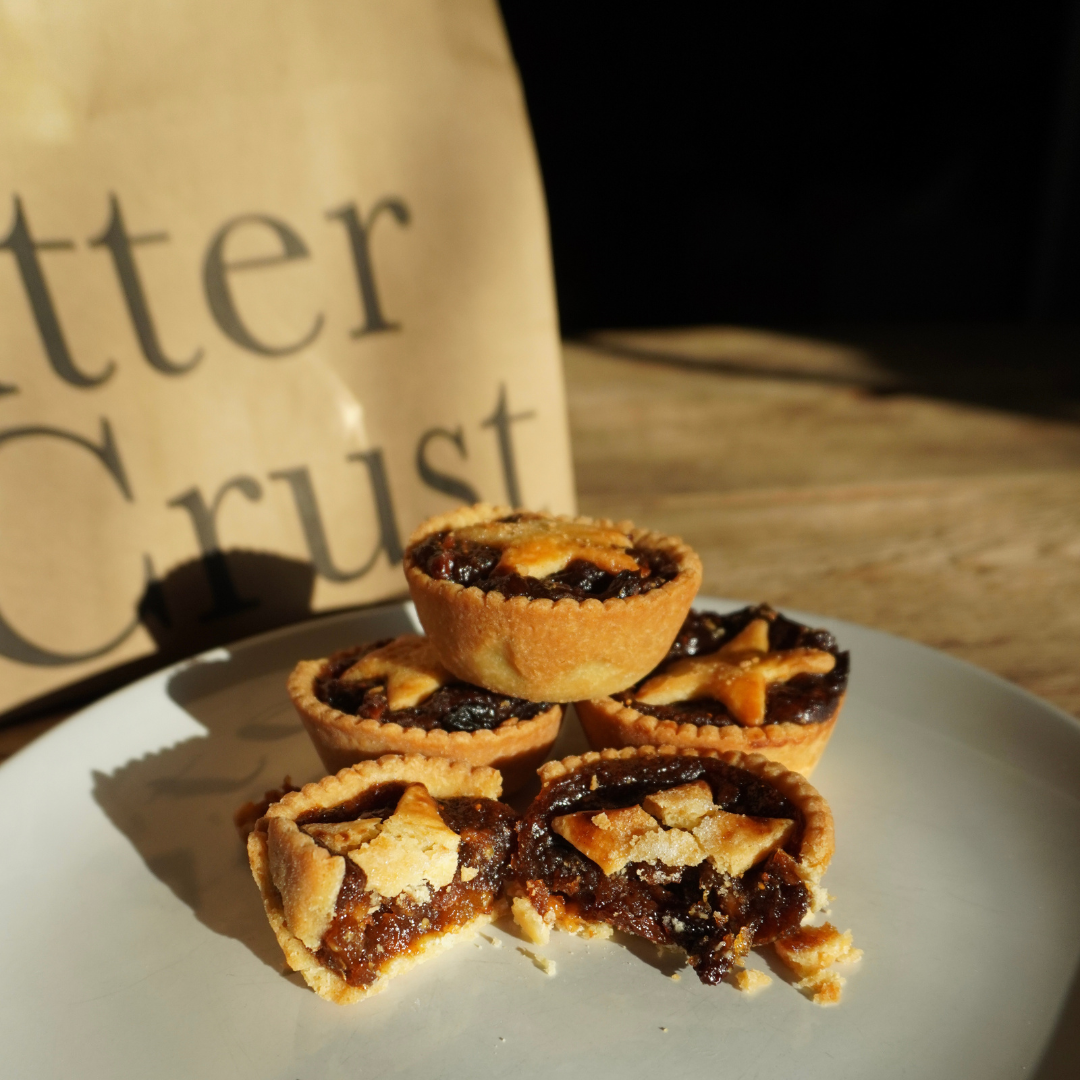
(447, 557)
(458, 706)
(804, 699)
(712, 916)
(362, 940)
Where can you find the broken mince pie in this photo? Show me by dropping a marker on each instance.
(751, 681)
(548, 608)
(367, 872)
(711, 854)
(396, 697)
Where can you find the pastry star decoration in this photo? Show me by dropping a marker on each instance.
(408, 665)
(412, 851)
(678, 827)
(537, 547)
(738, 674)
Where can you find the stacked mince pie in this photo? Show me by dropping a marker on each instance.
(691, 824)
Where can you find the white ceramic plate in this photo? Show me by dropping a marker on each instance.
(133, 943)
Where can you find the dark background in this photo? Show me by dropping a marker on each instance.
(813, 166)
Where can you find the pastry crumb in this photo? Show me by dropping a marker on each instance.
(542, 962)
(596, 930)
(810, 951)
(825, 989)
(663, 1029)
(750, 981)
(820, 902)
(468, 873)
(675, 976)
(528, 918)
(493, 941)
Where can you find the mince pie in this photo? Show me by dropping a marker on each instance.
(367, 872)
(710, 854)
(548, 608)
(751, 681)
(396, 697)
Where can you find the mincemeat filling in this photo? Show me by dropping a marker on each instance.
(447, 557)
(804, 699)
(361, 941)
(714, 917)
(458, 706)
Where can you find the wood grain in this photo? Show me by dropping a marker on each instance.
(952, 524)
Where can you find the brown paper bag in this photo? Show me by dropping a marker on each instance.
(274, 287)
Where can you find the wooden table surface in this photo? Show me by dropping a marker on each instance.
(801, 483)
(850, 479)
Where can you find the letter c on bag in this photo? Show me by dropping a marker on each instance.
(12, 644)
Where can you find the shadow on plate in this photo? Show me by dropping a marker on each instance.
(667, 961)
(1061, 1059)
(176, 805)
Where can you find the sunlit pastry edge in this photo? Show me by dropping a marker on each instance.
(608, 724)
